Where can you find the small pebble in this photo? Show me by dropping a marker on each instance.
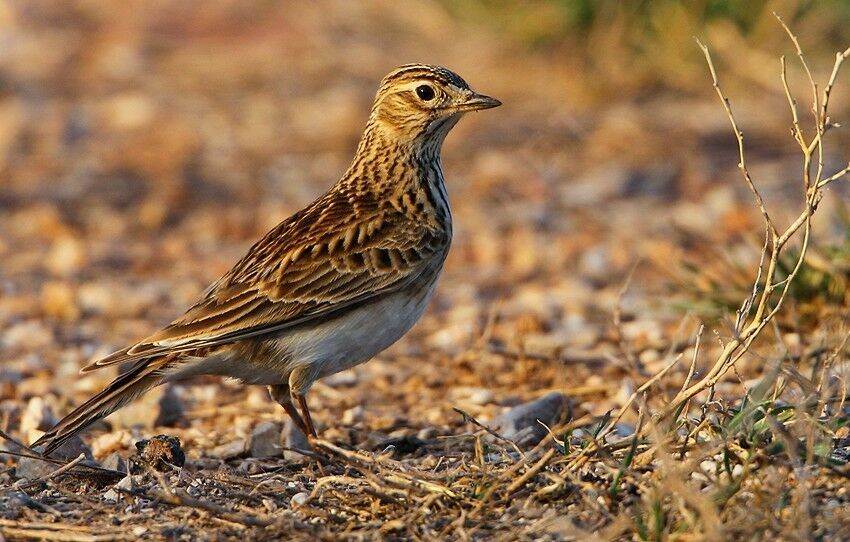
(32, 468)
(521, 422)
(108, 443)
(230, 450)
(427, 433)
(352, 415)
(299, 499)
(624, 430)
(265, 440)
(344, 379)
(294, 438)
(111, 496)
(114, 461)
(37, 415)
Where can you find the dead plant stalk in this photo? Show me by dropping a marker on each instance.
(750, 321)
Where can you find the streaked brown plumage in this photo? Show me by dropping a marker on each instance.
(332, 285)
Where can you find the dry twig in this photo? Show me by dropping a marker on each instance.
(21, 484)
(394, 478)
(770, 292)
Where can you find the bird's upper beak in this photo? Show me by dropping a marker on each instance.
(474, 101)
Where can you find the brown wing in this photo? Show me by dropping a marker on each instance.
(333, 255)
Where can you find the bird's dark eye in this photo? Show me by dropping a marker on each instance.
(425, 92)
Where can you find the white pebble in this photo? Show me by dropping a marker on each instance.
(708, 467)
(299, 499)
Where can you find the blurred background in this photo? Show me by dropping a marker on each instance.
(145, 145)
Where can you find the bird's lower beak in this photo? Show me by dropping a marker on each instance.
(475, 101)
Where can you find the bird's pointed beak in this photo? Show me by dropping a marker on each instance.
(474, 102)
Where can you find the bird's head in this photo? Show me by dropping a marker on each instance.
(419, 104)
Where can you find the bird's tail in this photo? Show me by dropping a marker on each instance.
(128, 386)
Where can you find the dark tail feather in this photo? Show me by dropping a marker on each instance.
(121, 391)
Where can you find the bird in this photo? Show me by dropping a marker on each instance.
(331, 286)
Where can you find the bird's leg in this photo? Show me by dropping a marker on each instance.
(280, 394)
(302, 402)
(300, 380)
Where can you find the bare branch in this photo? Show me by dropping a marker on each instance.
(802, 57)
(742, 164)
(749, 325)
(834, 177)
(792, 104)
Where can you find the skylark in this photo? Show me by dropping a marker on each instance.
(329, 287)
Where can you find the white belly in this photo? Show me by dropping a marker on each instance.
(356, 337)
(328, 347)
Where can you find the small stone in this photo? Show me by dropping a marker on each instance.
(658, 182)
(108, 443)
(111, 496)
(265, 440)
(66, 256)
(481, 396)
(37, 415)
(427, 433)
(597, 185)
(294, 439)
(30, 334)
(649, 356)
(494, 458)
(230, 450)
(114, 462)
(299, 499)
(402, 445)
(596, 263)
(642, 332)
(352, 415)
(343, 379)
(31, 469)
(471, 395)
(624, 430)
(256, 398)
(170, 408)
(70, 449)
(161, 452)
(521, 422)
(699, 477)
(129, 110)
(95, 298)
(129, 482)
(58, 300)
(249, 467)
(158, 407)
(625, 390)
